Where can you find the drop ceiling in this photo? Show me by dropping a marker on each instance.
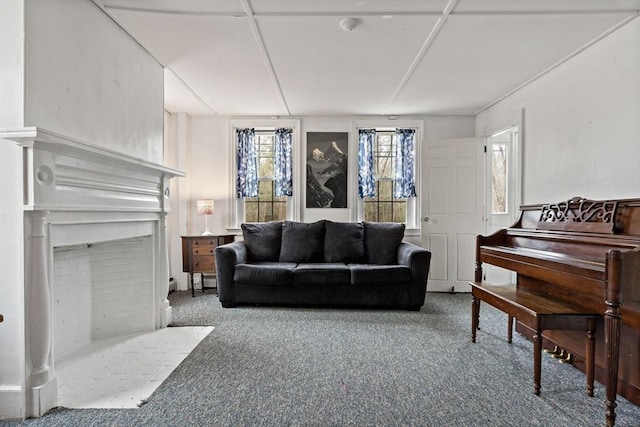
(406, 57)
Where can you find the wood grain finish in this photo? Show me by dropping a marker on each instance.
(587, 254)
(539, 313)
(198, 255)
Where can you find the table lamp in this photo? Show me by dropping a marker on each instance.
(205, 207)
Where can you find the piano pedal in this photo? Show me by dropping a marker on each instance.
(560, 355)
(555, 350)
(568, 359)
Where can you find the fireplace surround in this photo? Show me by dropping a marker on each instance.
(78, 196)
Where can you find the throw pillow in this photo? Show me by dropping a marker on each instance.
(263, 240)
(344, 242)
(302, 242)
(381, 241)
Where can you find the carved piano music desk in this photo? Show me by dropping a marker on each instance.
(585, 255)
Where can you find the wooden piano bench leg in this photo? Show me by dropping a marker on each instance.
(475, 315)
(537, 361)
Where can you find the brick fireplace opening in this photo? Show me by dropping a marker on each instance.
(100, 291)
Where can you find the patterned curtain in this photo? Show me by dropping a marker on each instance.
(366, 181)
(283, 162)
(404, 179)
(247, 180)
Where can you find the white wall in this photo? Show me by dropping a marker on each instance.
(12, 349)
(86, 78)
(581, 123)
(175, 155)
(209, 172)
(11, 63)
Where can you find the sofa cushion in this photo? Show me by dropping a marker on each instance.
(264, 273)
(321, 274)
(343, 242)
(302, 242)
(381, 241)
(368, 274)
(263, 240)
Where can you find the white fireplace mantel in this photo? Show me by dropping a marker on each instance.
(79, 193)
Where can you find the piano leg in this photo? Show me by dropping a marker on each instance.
(612, 324)
(537, 360)
(591, 354)
(612, 342)
(475, 316)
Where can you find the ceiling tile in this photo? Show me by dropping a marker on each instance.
(216, 56)
(324, 69)
(476, 59)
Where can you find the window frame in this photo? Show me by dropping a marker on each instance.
(236, 210)
(412, 224)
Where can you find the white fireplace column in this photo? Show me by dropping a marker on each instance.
(165, 313)
(79, 193)
(42, 389)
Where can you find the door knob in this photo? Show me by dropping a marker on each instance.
(426, 219)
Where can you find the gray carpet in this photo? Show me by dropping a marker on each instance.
(266, 366)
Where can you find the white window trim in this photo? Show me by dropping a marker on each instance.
(236, 206)
(414, 210)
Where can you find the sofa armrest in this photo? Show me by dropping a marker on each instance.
(419, 261)
(227, 257)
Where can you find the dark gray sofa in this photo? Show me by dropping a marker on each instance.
(322, 263)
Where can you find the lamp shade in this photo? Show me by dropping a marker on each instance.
(205, 207)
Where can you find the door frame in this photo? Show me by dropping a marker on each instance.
(512, 120)
(491, 273)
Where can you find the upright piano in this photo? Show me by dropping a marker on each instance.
(587, 253)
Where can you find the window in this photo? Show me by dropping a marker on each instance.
(377, 139)
(499, 191)
(384, 207)
(265, 207)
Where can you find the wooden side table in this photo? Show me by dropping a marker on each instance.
(198, 255)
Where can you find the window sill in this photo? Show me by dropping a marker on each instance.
(414, 232)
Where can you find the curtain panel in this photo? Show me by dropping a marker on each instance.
(404, 175)
(283, 162)
(366, 180)
(247, 161)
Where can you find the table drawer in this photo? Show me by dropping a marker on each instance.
(203, 241)
(202, 250)
(203, 263)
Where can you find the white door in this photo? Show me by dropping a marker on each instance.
(453, 211)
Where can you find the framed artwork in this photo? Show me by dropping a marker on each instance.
(327, 169)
